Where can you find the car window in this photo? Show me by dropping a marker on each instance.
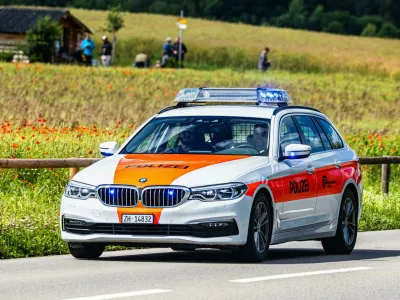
(310, 133)
(288, 134)
(325, 141)
(202, 134)
(333, 136)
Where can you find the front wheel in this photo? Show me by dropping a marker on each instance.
(346, 233)
(86, 250)
(259, 231)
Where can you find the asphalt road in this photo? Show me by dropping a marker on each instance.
(297, 270)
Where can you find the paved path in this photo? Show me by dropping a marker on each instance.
(297, 270)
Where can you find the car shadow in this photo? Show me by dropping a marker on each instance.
(275, 256)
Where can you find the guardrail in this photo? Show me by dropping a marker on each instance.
(75, 163)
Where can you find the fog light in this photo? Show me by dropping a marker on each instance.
(215, 224)
(74, 222)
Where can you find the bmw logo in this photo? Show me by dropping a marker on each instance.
(142, 180)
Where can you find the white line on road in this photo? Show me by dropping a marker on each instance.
(273, 277)
(122, 295)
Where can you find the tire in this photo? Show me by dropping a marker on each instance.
(259, 231)
(346, 233)
(86, 251)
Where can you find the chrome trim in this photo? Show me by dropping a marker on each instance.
(159, 187)
(119, 186)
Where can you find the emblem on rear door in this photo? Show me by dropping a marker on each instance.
(142, 180)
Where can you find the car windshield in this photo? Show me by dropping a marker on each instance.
(202, 135)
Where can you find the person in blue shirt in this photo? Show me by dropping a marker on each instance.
(167, 52)
(87, 47)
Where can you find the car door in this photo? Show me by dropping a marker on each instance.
(329, 174)
(299, 182)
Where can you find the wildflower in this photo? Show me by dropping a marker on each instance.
(393, 151)
(37, 142)
(28, 149)
(90, 152)
(14, 146)
(22, 137)
(13, 157)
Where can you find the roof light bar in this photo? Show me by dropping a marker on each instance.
(261, 96)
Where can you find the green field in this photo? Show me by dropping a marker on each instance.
(218, 44)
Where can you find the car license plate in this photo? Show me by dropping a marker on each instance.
(137, 219)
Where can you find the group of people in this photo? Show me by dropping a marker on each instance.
(170, 57)
(86, 46)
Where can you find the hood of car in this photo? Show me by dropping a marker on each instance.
(189, 170)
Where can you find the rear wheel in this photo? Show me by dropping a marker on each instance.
(86, 250)
(259, 231)
(346, 233)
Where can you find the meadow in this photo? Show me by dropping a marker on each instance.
(214, 44)
(66, 111)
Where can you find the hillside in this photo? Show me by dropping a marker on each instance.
(219, 44)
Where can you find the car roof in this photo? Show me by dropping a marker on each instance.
(250, 111)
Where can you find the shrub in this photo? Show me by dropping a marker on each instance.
(334, 27)
(369, 30)
(6, 56)
(41, 40)
(389, 30)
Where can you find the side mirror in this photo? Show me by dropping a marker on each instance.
(296, 151)
(108, 148)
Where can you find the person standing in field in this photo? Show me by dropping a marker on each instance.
(263, 62)
(87, 47)
(167, 52)
(175, 50)
(106, 51)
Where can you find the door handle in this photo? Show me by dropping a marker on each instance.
(310, 169)
(338, 164)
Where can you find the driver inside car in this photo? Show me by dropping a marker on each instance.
(259, 138)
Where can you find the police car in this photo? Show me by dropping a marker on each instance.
(224, 168)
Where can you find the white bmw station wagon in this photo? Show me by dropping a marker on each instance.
(225, 168)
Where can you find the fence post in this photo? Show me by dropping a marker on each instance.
(385, 178)
(72, 172)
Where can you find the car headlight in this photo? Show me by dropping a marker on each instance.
(79, 191)
(229, 191)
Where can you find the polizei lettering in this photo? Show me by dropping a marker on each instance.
(157, 166)
(299, 186)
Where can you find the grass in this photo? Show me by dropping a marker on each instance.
(98, 96)
(219, 44)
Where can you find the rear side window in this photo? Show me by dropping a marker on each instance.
(310, 133)
(288, 134)
(333, 136)
(323, 136)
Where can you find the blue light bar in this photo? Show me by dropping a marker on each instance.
(261, 96)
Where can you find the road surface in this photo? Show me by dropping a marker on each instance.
(298, 270)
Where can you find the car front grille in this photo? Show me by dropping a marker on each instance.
(196, 230)
(164, 196)
(121, 196)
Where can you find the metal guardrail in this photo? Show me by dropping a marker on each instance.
(75, 163)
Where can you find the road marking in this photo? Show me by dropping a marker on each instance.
(273, 277)
(122, 295)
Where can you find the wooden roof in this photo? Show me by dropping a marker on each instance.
(20, 20)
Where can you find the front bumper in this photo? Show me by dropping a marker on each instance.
(183, 224)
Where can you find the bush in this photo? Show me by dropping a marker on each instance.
(369, 30)
(335, 27)
(41, 40)
(6, 56)
(389, 30)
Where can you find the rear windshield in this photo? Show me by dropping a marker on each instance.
(205, 135)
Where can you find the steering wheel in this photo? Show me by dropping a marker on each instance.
(246, 145)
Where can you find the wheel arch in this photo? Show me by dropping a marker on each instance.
(351, 186)
(267, 192)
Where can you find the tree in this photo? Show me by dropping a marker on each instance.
(115, 22)
(334, 27)
(294, 17)
(369, 30)
(41, 40)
